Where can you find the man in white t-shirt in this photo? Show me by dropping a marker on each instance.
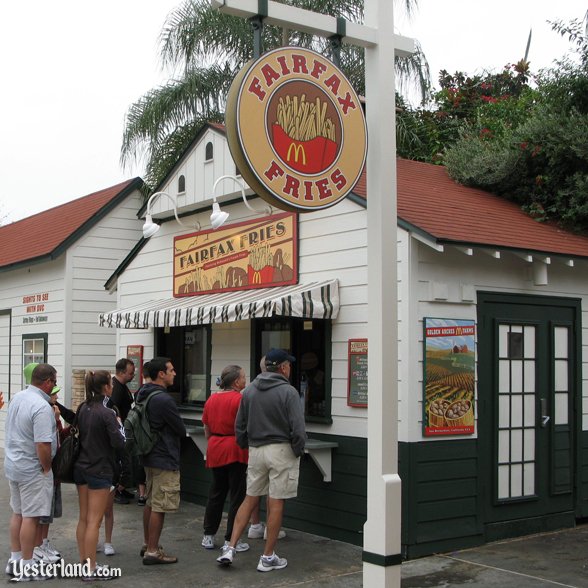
(30, 444)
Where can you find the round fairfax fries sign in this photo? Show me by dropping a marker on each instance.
(296, 129)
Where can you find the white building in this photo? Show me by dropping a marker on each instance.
(53, 267)
(513, 463)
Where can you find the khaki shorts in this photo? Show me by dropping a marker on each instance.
(162, 489)
(273, 469)
(32, 498)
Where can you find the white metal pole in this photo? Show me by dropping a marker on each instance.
(382, 547)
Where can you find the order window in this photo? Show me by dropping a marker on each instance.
(309, 341)
(189, 350)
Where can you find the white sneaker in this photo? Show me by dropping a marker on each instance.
(281, 534)
(256, 531)
(226, 556)
(268, 564)
(50, 549)
(259, 531)
(208, 542)
(23, 578)
(10, 565)
(240, 547)
(40, 554)
(109, 549)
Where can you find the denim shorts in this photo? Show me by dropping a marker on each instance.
(81, 478)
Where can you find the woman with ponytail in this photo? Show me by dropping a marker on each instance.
(226, 459)
(101, 434)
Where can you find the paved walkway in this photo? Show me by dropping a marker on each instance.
(540, 561)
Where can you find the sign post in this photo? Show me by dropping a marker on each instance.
(381, 551)
(382, 545)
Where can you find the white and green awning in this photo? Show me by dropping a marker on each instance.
(318, 300)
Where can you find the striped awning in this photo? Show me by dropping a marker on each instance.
(318, 300)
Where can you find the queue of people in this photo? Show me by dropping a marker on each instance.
(255, 438)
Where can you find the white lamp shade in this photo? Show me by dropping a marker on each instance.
(149, 228)
(218, 216)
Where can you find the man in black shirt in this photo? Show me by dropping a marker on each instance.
(162, 464)
(122, 398)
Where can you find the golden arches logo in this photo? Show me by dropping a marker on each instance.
(297, 150)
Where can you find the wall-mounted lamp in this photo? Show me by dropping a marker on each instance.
(150, 228)
(218, 216)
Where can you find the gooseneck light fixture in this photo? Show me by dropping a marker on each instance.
(218, 216)
(150, 228)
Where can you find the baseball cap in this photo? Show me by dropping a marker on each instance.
(277, 356)
(28, 372)
(56, 390)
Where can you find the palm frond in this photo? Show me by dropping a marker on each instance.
(413, 72)
(196, 35)
(198, 95)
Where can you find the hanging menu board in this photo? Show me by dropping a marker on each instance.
(357, 378)
(135, 354)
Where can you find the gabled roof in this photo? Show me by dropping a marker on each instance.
(430, 201)
(48, 234)
(209, 125)
(185, 153)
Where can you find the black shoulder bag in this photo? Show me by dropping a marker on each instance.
(67, 454)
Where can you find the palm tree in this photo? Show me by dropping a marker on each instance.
(205, 49)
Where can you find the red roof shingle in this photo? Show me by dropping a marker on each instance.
(430, 200)
(43, 234)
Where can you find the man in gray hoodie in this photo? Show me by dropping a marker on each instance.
(270, 422)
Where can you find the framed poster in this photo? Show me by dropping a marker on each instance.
(448, 379)
(357, 377)
(135, 354)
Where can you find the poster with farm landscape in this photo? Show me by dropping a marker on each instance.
(449, 377)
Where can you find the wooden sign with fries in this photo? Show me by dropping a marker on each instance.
(252, 254)
(296, 129)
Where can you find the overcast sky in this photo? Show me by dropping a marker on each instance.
(70, 70)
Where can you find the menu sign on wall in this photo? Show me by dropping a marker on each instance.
(252, 254)
(135, 354)
(357, 380)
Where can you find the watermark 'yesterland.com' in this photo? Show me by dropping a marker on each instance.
(60, 569)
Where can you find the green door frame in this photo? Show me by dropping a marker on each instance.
(486, 364)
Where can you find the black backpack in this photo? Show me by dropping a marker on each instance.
(140, 437)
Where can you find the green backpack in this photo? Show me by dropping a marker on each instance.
(140, 437)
